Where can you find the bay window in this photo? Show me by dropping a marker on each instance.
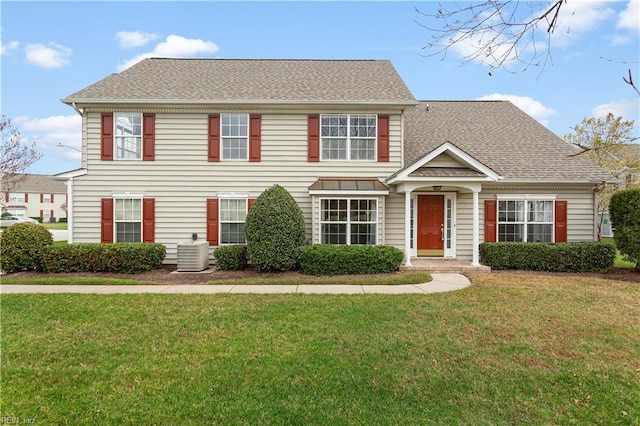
(348, 221)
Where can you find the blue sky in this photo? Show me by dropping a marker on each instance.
(53, 49)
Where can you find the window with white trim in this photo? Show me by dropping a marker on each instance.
(128, 135)
(350, 137)
(16, 198)
(17, 212)
(128, 220)
(525, 220)
(235, 136)
(233, 213)
(46, 198)
(349, 221)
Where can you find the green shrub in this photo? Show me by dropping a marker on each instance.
(22, 246)
(231, 258)
(275, 231)
(624, 209)
(62, 220)
(551, 257)
(121, 258)
(38, 218)
(5, 214)
(349, 260)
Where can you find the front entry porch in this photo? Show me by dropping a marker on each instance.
(430, 264)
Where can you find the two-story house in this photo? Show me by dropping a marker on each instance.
(31, 195)
(173, 147)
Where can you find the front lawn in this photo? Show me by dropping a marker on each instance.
(511, 349)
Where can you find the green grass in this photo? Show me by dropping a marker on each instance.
(619, 262)
(56, 225)
(511, 349)
(408, 278)
(53, 280)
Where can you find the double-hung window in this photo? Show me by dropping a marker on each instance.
(46, 198)
(233, 213)
(17, 198)
(128, 135)
(128, 220)
(235, 136)
(525, 220)
(349, 221)
(350, 137)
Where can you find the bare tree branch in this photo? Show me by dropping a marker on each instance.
(629, 81)
(16, 156)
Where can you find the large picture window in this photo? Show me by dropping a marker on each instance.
(525, 220)
(233, 213)
(128, 220)
(349, 221)
(235, 136)
(128, 135)
(349, 137)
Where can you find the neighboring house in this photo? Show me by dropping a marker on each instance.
(35, 196)
(173, 147)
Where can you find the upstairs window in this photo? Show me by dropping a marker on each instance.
(17, 198)
(46, 198)
(128, 135)
(235, 136)
(348, 137)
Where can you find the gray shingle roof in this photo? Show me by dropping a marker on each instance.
(253, 80)
(501, 136)
(40, 183)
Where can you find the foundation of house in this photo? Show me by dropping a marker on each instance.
(431, 264)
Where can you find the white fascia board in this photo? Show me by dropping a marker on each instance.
(341, 193)
(70, 174)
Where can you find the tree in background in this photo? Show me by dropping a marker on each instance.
(16, 156)
(609, 142)
(511, 35)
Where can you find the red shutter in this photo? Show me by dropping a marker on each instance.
(6, 197)
(148, 137)
(383, 138)
(255, 136)
(214, 137)
(26, 197)
(212, 221)
(561, 221)
(148, 220)
(490, 221)
(41, 213)
(313, 134)
(52, 198)
(106, 145)
(106, 220)
(52, 213)
(250, 203)
(41, 199)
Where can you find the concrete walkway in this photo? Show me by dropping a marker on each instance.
(440, 283)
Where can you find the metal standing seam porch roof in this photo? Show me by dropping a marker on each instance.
(349, 184)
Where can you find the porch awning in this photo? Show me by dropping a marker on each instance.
(362, 186)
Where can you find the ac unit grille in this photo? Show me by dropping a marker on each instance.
(193, 256)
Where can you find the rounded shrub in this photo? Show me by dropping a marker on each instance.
(624, 209)
(275, 231)
(22, 246)
(231, 258)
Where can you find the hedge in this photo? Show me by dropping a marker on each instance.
(624, 208)
(123, 258)
(349, 260)
(22, 246)
(231, 258)
(551, 257)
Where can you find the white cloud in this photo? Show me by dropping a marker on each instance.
(7, 48)
(50, 56)
(48, 132)
(173, 47)
(626, 108)
(130, 39)
(579, 17)
(630, 17)
(525, 103)
(620, 40)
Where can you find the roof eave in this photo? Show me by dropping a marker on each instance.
(94, 101)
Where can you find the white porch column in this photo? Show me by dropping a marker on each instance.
(407, 228)
(476, 230)
(70, 211)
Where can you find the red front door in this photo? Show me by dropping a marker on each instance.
(430, 225)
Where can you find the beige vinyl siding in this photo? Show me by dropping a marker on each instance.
(181, 179)
(394, 224)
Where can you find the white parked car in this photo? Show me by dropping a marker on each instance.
(12, 220)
